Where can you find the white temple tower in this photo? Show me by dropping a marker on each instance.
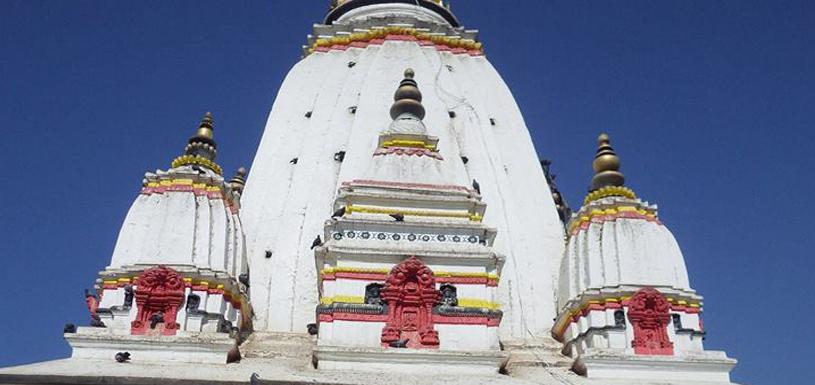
(336, 100)
(626, 308)
(381, 237)
(172, 290)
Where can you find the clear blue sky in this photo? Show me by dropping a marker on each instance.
(710, 104)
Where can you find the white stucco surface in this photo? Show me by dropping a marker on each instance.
(186, 227)
(285, 204)
(618, 252)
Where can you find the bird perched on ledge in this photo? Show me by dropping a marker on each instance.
(317, 242)
(122, 357)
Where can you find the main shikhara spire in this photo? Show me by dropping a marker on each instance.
(360, 249)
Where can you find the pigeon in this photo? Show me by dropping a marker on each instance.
(253, 380)
(339, 213)
(317, 242)
(312, 329)
(244, 279)
(339, 156)
(69, 328)
(398, 217)
(293, 161)
(476, 186)
(156, 318)
(122, 357)
(399, 344)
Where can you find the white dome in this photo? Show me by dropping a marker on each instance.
(183, 217)
(616, 242)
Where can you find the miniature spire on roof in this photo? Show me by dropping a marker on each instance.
(202, 143)
(201, 148)
(407, 131)
(606, 166)
(408, 98)
(238, 182)
(407, 111)
(607, 180)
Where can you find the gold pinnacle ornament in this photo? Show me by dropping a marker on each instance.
(205, 128)
(606, 166)
(408, 98)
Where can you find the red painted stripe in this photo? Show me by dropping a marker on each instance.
(439, 319)
(381, 277)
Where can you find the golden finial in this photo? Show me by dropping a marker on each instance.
(201, 148)
(239, 180)
(606, 165)
(408, 98)
(205, 128)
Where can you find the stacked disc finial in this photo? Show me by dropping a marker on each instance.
(238, 182)
(606, 166)
(408, 98)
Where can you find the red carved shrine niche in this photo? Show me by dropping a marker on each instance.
(410, 291)
(159, 294)
(649, 313)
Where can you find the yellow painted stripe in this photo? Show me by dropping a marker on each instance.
(438, 273)
(462, 302)
(475, 217)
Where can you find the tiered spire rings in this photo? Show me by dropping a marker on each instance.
(408, 98)
(407, 134)
(607, 180)
(238, 182)
(201, 148)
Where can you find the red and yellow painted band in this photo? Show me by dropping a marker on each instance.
(563, 322)
(462, 302)
(376, 36)
(386, 184)
(188, 185)
(472, 216)
(381, 274)
(437, 319)
(611, 214)
(183, 184)
(197, 285)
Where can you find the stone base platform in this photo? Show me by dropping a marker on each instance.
(103, 344)
(612, 364)
(409, 360)
(286, 358)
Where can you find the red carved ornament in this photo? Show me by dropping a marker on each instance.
(410, 291)
(159, 290)
(649, 313)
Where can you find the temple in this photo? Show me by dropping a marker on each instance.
(396, 226)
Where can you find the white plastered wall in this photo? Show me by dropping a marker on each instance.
(285, 205)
